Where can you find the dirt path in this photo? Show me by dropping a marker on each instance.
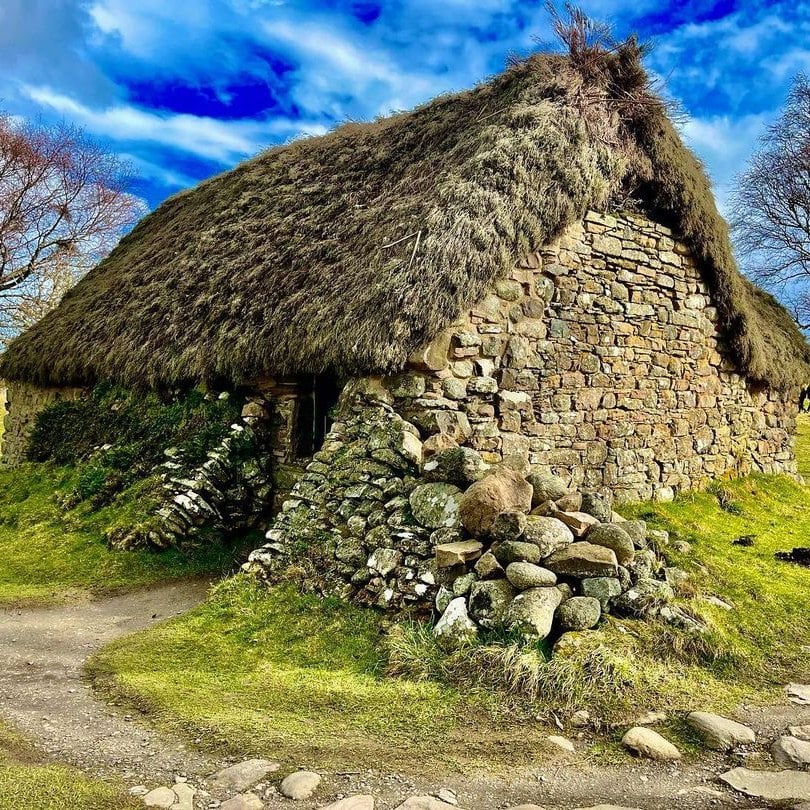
(43, 694)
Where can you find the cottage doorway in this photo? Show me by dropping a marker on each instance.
(315, 412)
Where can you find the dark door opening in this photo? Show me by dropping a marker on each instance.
(314, 412)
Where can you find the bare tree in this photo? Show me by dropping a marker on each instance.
(63, 205)
(771, 206)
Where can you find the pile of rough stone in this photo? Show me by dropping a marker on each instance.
(543, 559)
(383, 518)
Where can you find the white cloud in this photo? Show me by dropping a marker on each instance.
(222, 141)
(725, 143)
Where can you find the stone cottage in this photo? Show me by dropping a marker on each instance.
(534, 270)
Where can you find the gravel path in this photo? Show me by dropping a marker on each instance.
(43, 694)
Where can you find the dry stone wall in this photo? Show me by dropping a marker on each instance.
(600, 358)
(23, 403)
(599, 361)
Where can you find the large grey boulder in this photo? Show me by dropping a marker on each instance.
(489, 600)
(547, 487)
(547, 533)
(650, 744)
(488, 567)
(508, 526)
(790, 752)
(645, 565)
(524, 575)
(516, 551)
(436, 506)
(645, 595)
(613, 535)
(781, 786)
(719, 733)
(637, 529)
(597, 506)
(455, 629)
(583, 560)
(532, 612)
(579, 613)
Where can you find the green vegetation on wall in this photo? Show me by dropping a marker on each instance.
(117, 437)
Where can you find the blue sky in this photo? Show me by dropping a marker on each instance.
(186, 88)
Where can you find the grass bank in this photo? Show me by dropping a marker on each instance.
(295, 676)
(26, 782)
(50, 554)
(277, 673)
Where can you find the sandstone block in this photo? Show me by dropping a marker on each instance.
(460, 553)
(501, 491)
(583, 560)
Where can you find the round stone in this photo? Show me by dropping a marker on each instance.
(611, 535)
(525, 575)
(579, 613)
(547, 487)
(300, 785)
(547, 533)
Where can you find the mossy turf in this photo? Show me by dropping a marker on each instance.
(276, 673)
(26, 783)
(803, 446)
(53, 555)
(261, 672)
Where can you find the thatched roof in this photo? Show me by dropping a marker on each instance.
(349, 251)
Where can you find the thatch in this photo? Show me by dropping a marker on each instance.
(348, 251)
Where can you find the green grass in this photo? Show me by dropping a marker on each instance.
(803, 446)
(26, 783)
(51, 555)
(260, 672)
(277, 673)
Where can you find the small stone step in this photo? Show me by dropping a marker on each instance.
(243, 775)
(781, 786)
(162, 797)
(790, 752)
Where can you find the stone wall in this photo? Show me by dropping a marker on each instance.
(600, 359)
(23, 403)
